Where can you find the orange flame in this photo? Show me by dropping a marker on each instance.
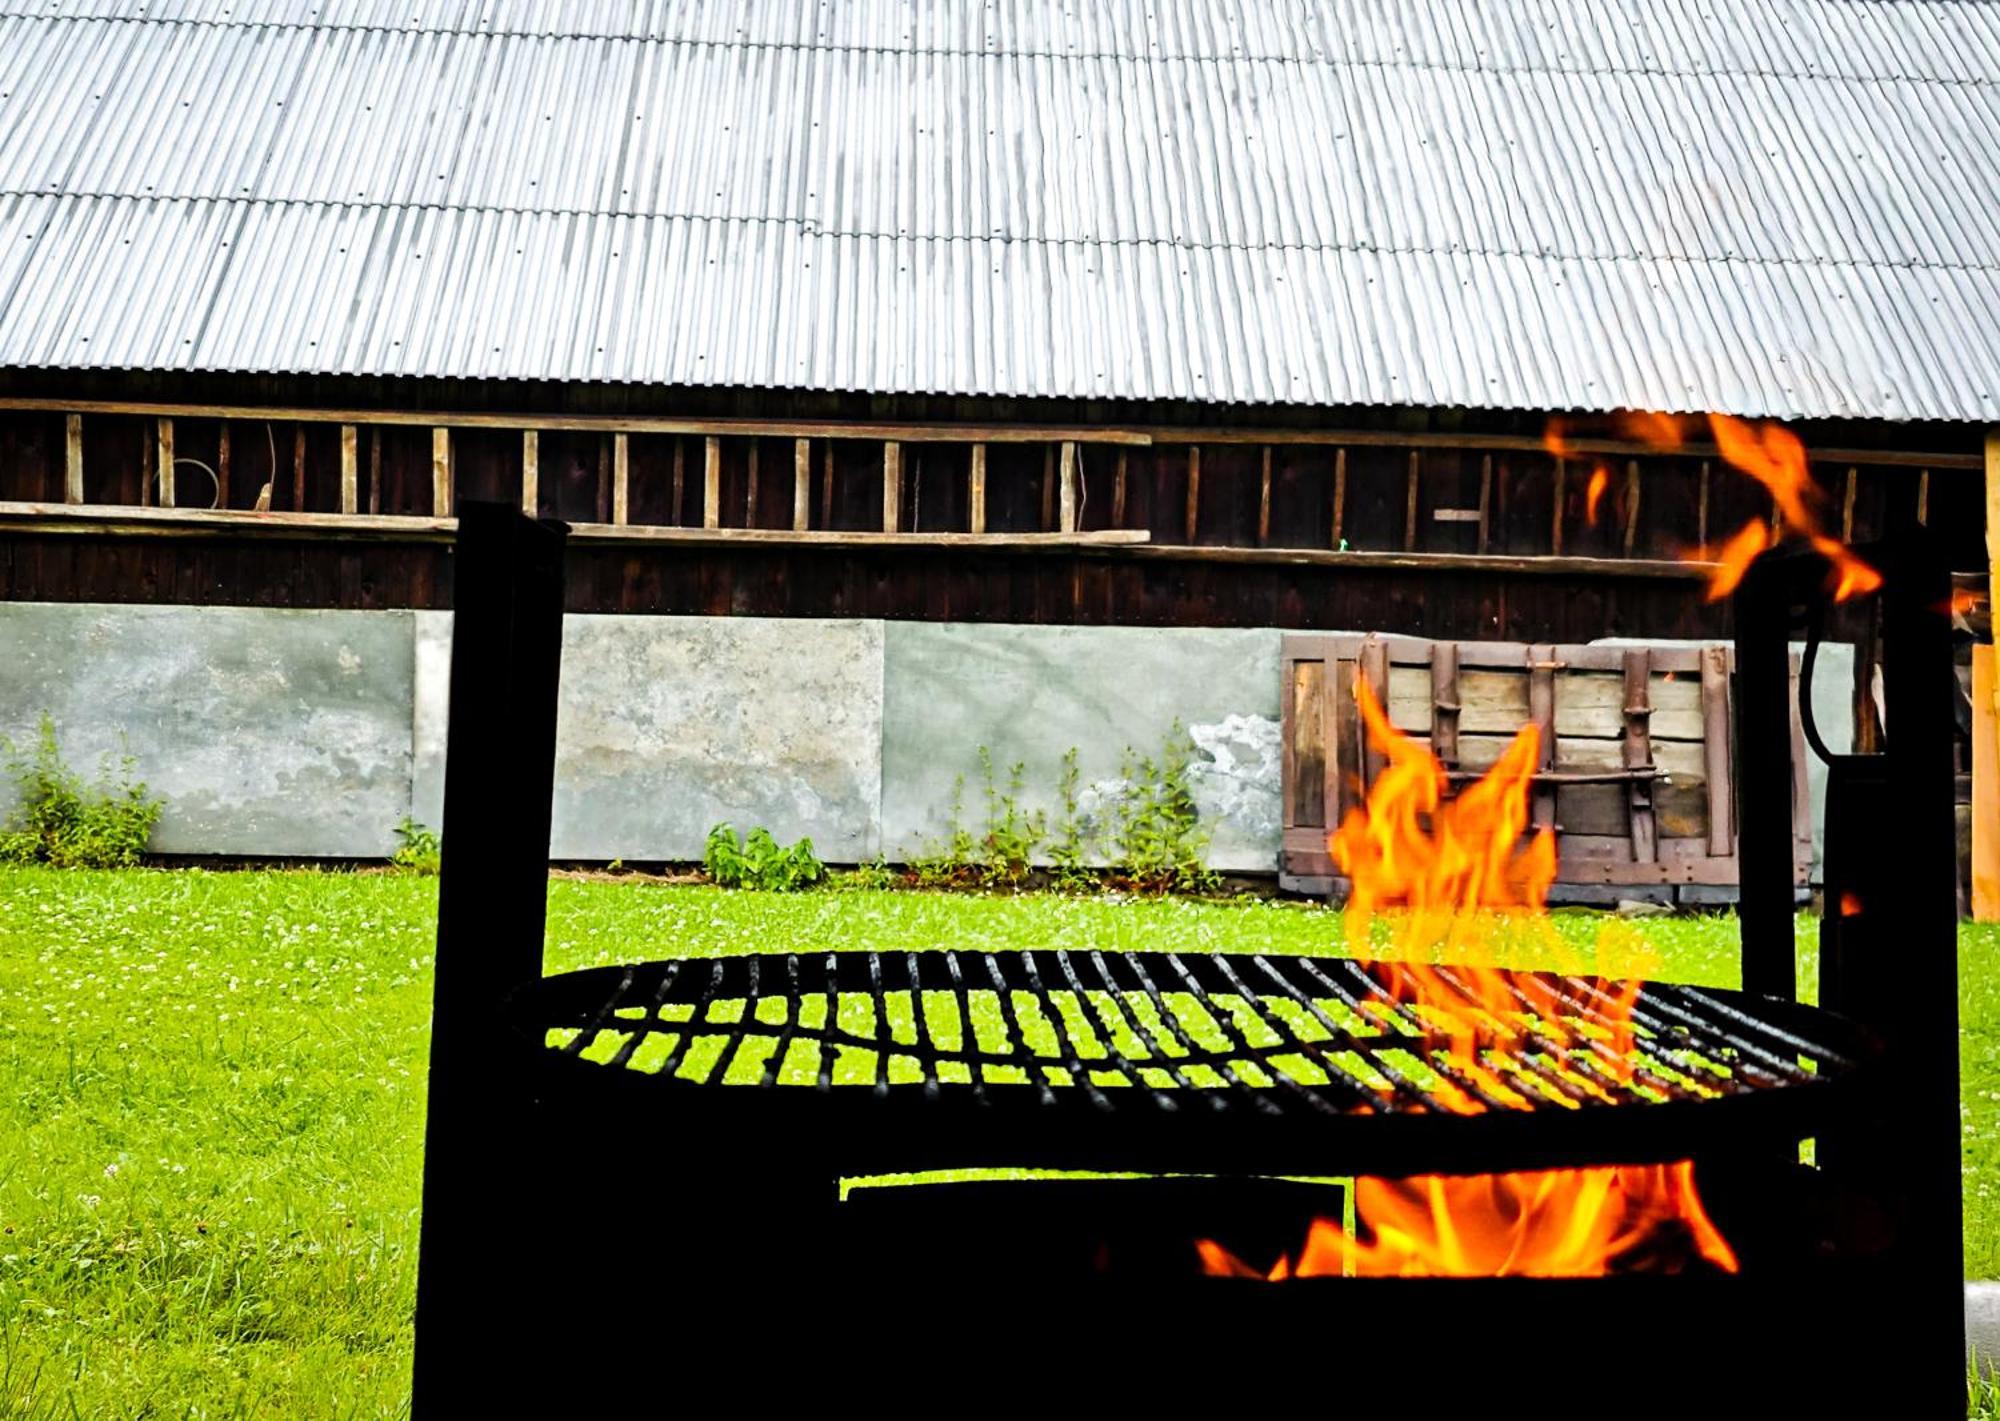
(1456, 870)
(1600, 480)
(1662, 431)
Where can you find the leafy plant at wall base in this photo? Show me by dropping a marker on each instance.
(953, 863)
(1069, 851)
(421, 851)
(1159, 841)
(64, 822)
(1010, 837)
(760, 861)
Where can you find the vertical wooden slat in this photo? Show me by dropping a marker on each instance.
(1305, 804)
(711, 482)
(374, 470)
(826, 488)
(1847, 508)
(531, 472)
(1985, 789)
(1118, 492)
(1485, 501)
(1562, 494)
(222, 465)
(440, 470)
(1264, 501)
(1639, 754)
(1048, 488)
(350, 469)
(679, 481)
(802, 478)
(1631, 505)
(164, 431)
(621, 478)
(1068, 494)
(1193, 494)
(750, 487)
(892, 486)
(1444, 703)
(299, 469)
(73, 459)
(976, 494)
(1924, 497)
(1372, 665)
(1715, 749)
(1339, 498)
(602, 509)
(148, 454)
(1542, 668)
(1701, 509)
(1410, 505)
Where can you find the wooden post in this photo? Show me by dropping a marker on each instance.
(374, 471)
(802, 473)
(1847, 509)
(531, 472)
(680, 480)
(1069, 509)
(1193, 493)
(1339, 497)
(1410, 506)
(1048, 487)
(73, 459)
(1264, 501)
(166, 462)
(298, 468)
(892, 486)
(1924, 497)
(440, 472)
(1485, 501)
(1985, 790)
(977, 492)
(222, 465)
(603, 508)
(350, 470)
(711, 482)
(1562, 492)
(826, 488)
(621, 478)
(1631, 505)
(1118, 492)
(1701, 510)
(750, 488)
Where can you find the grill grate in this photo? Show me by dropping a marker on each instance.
(1165, 1031)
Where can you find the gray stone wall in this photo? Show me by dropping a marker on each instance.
(312, 733)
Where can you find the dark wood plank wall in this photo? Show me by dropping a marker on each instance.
(1373, 496)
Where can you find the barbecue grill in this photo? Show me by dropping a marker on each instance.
(631, 1156)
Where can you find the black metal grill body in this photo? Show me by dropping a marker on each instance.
(592, 1227)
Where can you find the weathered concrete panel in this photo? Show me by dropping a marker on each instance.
(267, 731)
(669, 725)
(1030, 693)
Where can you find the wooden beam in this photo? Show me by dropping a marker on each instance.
(603, 508)
(440, 470)
(1264, 501)
(1847, 508)
(298, 468)
(374, 471)
(1118, 491)
(621, 478)
(826, 488)
(73, 458)
(1485, 501)
(1410, 508)
(679, 482)
(1985, 790)
(802, 480)
(1193, 494)
(976, 494)
(750, 488)
(1631, 505)
(892, 486)
(1924, 497)
(222, 464)
(350, 470)
(531, 472)
(1069, 507)
(1337, 542)
(164, 432)
(711, 482)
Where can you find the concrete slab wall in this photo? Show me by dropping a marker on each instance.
(312, 733)
(269, 732)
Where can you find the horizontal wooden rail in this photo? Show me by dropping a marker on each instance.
(935, 432)
(118, 520)
(1432, 562)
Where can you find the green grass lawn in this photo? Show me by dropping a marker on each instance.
(211, 1102)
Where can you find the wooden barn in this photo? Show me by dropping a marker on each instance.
(1185, 314)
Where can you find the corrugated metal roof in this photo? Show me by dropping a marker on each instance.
(1785, 207)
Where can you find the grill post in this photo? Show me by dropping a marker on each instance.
(506, 653)
(1763, 753)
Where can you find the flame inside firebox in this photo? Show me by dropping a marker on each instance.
(1449, 878)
